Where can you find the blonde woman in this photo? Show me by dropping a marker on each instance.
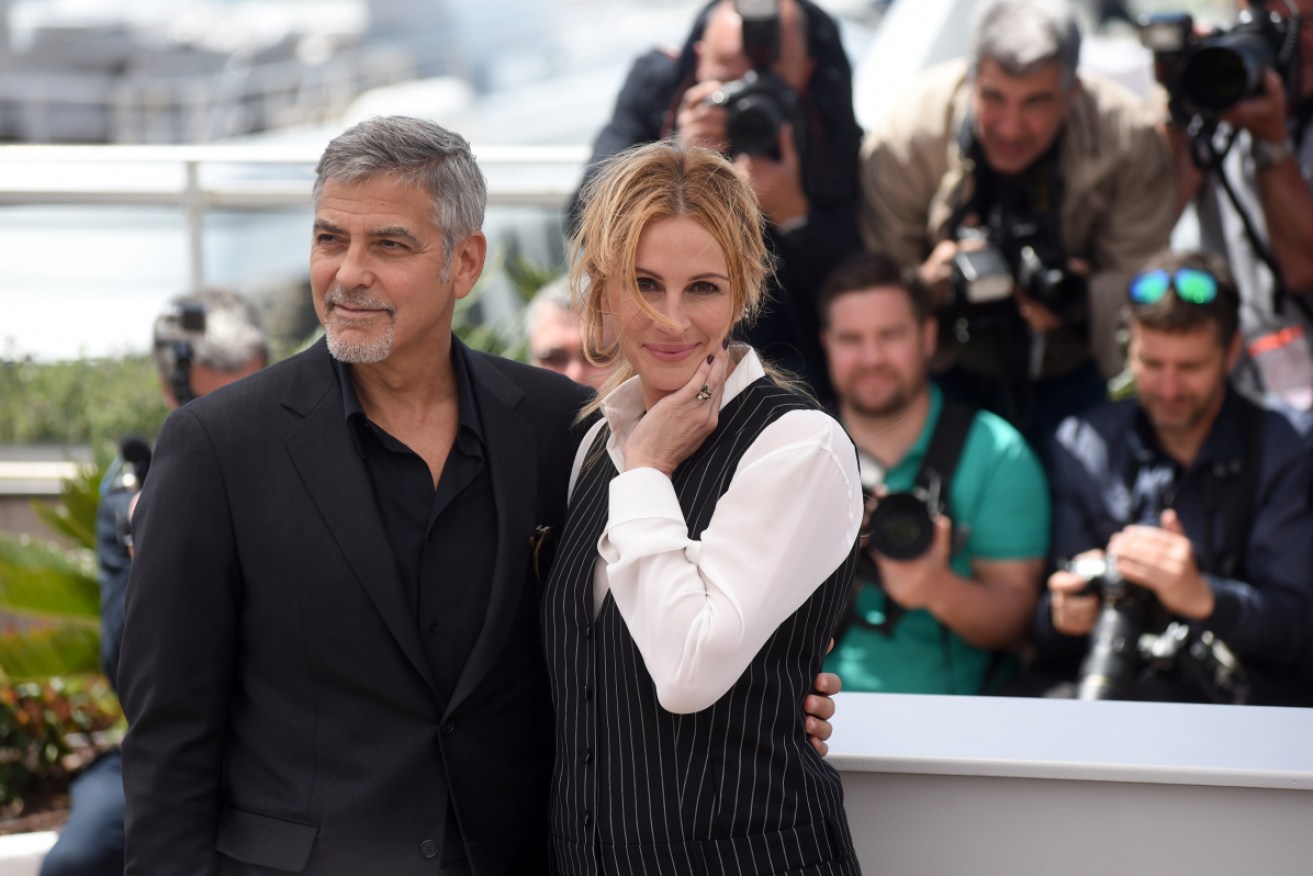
(708, 550)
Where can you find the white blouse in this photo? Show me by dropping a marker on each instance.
(700, 610)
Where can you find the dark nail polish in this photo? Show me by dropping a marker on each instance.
(711, 359)
(725, 343)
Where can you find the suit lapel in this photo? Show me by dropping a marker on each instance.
(511, 442)
(337, 481)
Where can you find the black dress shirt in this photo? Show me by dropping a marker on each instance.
(441, 538)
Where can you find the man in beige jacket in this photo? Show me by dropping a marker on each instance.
(1009, 147)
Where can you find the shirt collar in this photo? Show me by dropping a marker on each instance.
(623, 406)
(471, 426)
(1221, 444)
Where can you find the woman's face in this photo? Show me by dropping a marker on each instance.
(681, 273)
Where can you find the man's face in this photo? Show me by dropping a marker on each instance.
(557, 343)
(877, 351)
(1018, 117)
(1180, 376)
(720, 52)
(206, 380)
(377, 270)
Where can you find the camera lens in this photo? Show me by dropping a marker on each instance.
(754, 125)
(901, 527)
(1226, 69)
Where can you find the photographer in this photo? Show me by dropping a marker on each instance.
(1015, 149)
(950, 575)
(1255, 199)
(803, 166)
(201, 342)
(1192, 493)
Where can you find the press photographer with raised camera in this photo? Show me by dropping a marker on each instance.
(767, 83)
(1027, 191)
(1192, 494)
(1241, 100)
(957, 502)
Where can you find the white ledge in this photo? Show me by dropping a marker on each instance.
(1159, 743)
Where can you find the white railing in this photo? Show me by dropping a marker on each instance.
(198, 179)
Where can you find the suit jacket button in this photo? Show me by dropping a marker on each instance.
(428, 849)
(448, 728)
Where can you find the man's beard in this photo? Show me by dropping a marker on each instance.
(893, 402)
(357, 352)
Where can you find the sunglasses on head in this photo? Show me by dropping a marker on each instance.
(1189, 284)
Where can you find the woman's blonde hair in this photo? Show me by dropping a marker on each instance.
(645, 184)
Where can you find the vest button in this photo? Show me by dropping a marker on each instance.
(588, 819)
(448, 728)
(588, 692)
(588, 755)
(428, 849)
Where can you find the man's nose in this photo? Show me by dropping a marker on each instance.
(354, 271)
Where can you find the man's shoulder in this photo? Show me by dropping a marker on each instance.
(651, 81)
(544, 392)
(928, 111)
(994, 447)
(1113, 110)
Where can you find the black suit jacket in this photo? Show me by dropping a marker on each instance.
(282, 717)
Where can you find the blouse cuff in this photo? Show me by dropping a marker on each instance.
(641, 494)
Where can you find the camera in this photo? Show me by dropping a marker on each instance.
(1017, 249)
(1132, 642)
(758, 104)
(1113, 660)
(1208, 75)
(902, 526)
(187, 325)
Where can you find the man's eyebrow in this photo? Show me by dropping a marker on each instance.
(400, 231)
(394, 231)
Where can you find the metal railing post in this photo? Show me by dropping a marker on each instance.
(194, 207)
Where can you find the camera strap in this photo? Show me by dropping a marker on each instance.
(1208, 157)
(945, 451)
(936, 471)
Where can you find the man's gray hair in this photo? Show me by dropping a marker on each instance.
(232, 337)
(555, 293)
(1023, 35)
(418, 152)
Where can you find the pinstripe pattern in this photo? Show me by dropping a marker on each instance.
(733, 789)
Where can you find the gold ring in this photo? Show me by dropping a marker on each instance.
(704, 393)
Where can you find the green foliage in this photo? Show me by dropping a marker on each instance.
(37, 724)
(85, 401)
(41, 579)
(75, 515)
(57, 586)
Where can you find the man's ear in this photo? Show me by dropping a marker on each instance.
(467, 263)
(930, 337)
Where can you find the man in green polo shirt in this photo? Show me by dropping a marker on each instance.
(947, 620)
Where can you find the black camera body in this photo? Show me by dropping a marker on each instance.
(902, 526)
(1113, 660)
(1132, 637)
(1208, 75)
(189, 320)
(1017, 250)
(759, 104)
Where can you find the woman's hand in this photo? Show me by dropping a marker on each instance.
(678, 424)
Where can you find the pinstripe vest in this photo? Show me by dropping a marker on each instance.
(735, 788)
